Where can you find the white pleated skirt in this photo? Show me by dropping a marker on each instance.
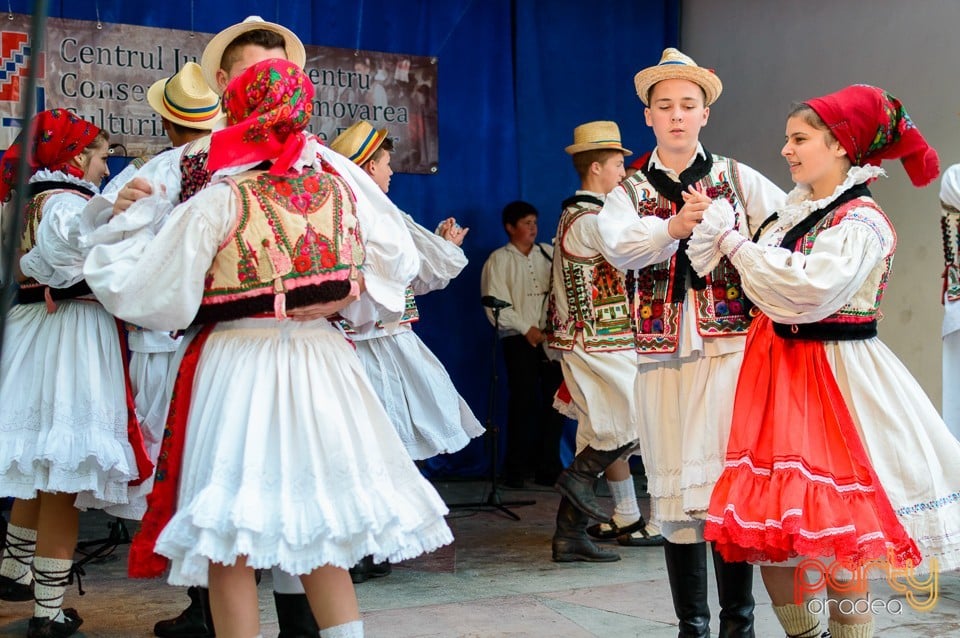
(63, 411)
(429, 414)
(290, 460)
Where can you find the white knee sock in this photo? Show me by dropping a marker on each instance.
(50, 577)
(284, 583)
(21, 544)
(625, 496)
(347, 630)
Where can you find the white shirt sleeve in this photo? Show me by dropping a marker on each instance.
(791, 287)
(493, 282)
(157, 280)
(761, 198)
(56, 258)
(440, 260)
(630, 240)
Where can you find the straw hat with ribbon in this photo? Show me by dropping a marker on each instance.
(213, 53)
(596, 136)
(359, 142)
(186, 99)
(674, 65)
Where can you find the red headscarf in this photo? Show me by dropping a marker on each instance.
(268, 107)
(872, 125)
(57, 136)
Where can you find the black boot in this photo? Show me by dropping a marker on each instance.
(687, 571)
(735, 590)
(193, 622)
(294, 616)
(577, 482)
(367, 569)
(570, 541)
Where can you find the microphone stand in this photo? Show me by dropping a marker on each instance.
(493, 500)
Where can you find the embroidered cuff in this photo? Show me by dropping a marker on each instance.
(730, 242)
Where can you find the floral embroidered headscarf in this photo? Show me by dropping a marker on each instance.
(57, 136)
(268, 107)
(872, 125)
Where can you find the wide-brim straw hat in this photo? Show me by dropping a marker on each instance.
(359, 142)
(186, 99)
(596, 136)
(213, 53)
(674, 65)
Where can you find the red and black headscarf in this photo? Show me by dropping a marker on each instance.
(872, 125)
(57, 136)
(268, 107)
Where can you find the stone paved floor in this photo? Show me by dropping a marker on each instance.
(496, 580)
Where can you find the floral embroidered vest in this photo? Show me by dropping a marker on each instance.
(858, 318)
(296, 242)
(30, 290)
(193, 168)
(655, 305)
(950, 226)
(589, 296)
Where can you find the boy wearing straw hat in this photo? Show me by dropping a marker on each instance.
(690, 330)
(589, 322)
(424, 406)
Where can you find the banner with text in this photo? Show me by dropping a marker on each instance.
(103, 75)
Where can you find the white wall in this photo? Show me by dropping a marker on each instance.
(771, 53)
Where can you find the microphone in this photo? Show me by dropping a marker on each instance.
(492, 302)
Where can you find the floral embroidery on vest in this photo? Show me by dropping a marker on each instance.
(721, 307)
(950, 227)
(193, 168)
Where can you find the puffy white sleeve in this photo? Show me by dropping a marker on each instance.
(493, 282)
(761, 198)
(630, 240)
(156, 280)
(163, 173)
(440, 260)
(391, 257)
(791, 287)
(57, 257)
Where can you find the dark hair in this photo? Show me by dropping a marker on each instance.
(260, 37)
(184, 131)
(515, 211)
(584, 160)
(385, 147)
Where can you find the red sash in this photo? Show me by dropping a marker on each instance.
(134, 433)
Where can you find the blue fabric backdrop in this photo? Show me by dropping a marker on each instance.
(515, 78)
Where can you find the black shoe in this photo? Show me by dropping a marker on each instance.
(367, 569)
(14, 592)
(611, 531)
(641, 538)
(570, 542)
(195, 621)
(48, 628)
(294, 616)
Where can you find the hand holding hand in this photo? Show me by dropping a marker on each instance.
(135, 189)
(682, 224)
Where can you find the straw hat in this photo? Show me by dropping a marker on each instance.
(359, 142)
(186, 99)
(213, 53)
(596, 136)
(674, 65)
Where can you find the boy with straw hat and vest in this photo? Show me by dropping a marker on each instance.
(424, 406)
(589, 322)
(391, 259)
(690, 330)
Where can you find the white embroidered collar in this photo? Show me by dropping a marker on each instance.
(46, 175)
(799, 205)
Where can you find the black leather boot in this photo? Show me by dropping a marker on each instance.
(193, 622)
(294, 616)
(687, 571)
(577, 482)
(735, 591)
(570, 540)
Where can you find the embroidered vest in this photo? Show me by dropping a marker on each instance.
(30, 290)
(858, 318)
(296, 242)
(193, 168)
(656, 293)
(950, 227)
(589, 296)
